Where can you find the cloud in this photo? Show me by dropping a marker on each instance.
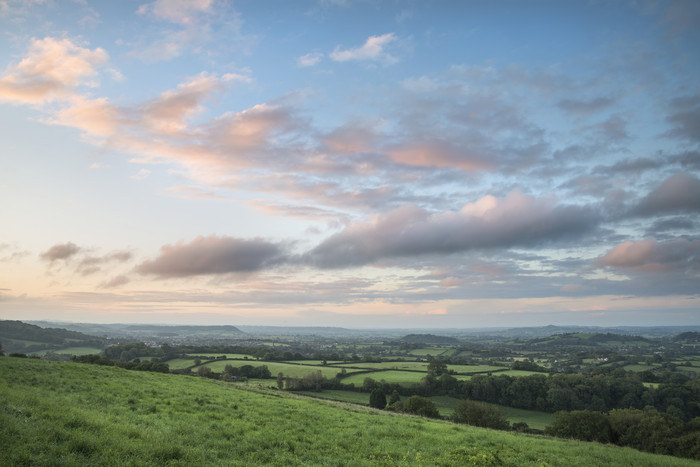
(213, 255)
(372, 50)
(61, 251)
(116, 281)
(51, 70)
(516, 220)
(92, 264)
(309, 59)
(171, 110)
(432, 152)
(579, 107)
(651, 256)
(678, 193)
(10, 253)
(685, 118)
(141, 175)
(184, 12)
(682, 16)
(97, 118)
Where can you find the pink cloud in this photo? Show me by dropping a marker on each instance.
(171, 110)
(437, 311)
(451, 282)
(52, 69)
(98, 119)
(679, 192)
(516, 220)
(435, 153)
(212, 255)
(649, 255)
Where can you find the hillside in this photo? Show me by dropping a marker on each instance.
(57, 413)
(158, 332)
(17, 336)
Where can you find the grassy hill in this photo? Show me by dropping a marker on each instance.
(17, 336)
(58, 413)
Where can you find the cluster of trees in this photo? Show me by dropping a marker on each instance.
(415, 405)
(246, 371)
(157, 367)
(645, 430)
(601, 391)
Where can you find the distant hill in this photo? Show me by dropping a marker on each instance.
(142, 332)
(546, 331)
(17, 336)
(589, 340)
(429, 339)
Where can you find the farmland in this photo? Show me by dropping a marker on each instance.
(525, 384)
(54, 413)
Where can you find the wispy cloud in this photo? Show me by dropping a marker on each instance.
(61, 251)
(374, 49)
(185, 12)
(310, 59)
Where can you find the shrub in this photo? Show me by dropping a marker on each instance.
(479, 414)
(581, 424)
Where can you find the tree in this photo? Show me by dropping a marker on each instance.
(421, 406)
(368, 385)
(581, 424)
(436, 367)
(395, 397)
(377, 399)
(280, 380)
(479, 414)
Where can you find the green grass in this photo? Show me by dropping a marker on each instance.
(471, 369)
(287, 369)
(180, 363)
(69, 414)
(414, 366)
(352, 397)
(390, 376)
(79, 351)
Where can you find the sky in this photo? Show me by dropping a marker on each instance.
(356, 163)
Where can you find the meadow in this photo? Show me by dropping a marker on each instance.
(445, 405)
(70, 414)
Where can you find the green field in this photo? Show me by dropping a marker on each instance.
(472, 369)
(64, 413)
(353, 397)
(77, 351)
(232, 356)
(390, 376)
(180, 363)
(445, 405)
(414, 366)
(288, 369)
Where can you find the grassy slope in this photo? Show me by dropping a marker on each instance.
(54, 413)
